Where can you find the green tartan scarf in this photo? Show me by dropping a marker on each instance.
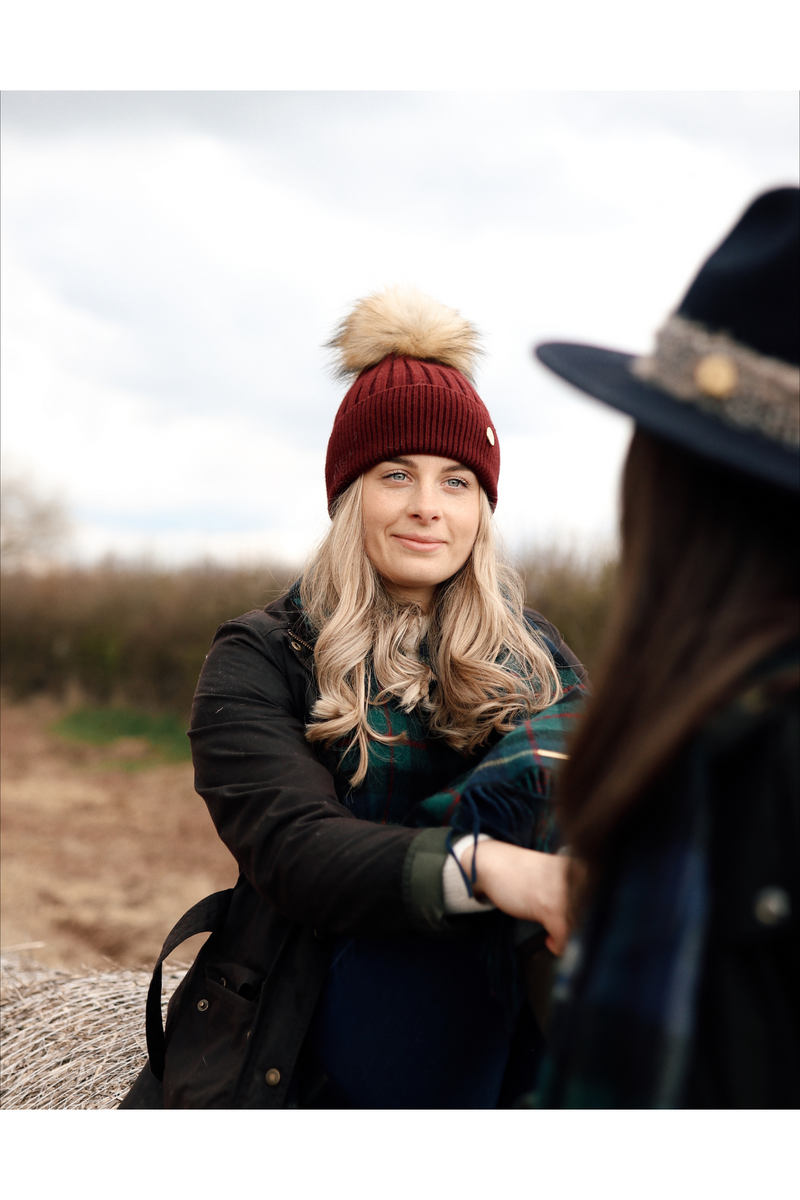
(510, 793)
(506, 791)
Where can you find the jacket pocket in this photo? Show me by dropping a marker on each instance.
(209, 1044)
(235, 978)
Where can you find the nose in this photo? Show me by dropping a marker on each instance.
(425, 504)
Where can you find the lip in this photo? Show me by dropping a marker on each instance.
(426, 545)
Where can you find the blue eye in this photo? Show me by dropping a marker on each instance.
(395, 475)
(460, 483)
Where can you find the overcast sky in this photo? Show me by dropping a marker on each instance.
(173, 263)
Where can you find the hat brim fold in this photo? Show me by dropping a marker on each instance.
(606, 375)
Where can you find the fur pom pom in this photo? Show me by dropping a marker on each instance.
(404, 321)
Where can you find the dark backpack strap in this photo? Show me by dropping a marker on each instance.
(207, 916)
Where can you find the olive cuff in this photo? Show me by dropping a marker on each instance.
(423, 891)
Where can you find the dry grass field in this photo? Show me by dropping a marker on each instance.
(104, 842)
(103, 847)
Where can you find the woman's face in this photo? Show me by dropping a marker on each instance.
(421, 516)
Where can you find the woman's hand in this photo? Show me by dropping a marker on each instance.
(524, 884)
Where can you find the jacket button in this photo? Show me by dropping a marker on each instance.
(202, 1005)
(273, 1077)
(772, 906)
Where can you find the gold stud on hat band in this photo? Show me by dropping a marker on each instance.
(726, 378)
(716, 375)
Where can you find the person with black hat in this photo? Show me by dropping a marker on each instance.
(680, 797)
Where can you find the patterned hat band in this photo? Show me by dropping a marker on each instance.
(725, 378)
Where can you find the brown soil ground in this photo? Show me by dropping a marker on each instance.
(101, 851)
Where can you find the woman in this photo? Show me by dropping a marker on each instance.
(335, 738)
(681, 795)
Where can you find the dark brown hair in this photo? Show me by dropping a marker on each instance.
(708, 587)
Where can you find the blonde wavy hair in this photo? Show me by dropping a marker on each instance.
(484, 669)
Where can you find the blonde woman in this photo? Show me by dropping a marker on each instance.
(339, 738)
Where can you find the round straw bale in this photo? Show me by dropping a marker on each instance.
(72, 1039)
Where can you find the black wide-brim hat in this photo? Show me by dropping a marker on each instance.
(724, 378)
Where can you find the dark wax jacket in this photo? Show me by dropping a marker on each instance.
(309, 869)
(681, 989)
(746, 1052)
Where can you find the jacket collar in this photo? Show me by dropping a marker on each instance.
(288, 610)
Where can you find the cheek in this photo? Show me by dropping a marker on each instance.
(372, 543)
(375, 517)
(466, 530)
(369, 514)
(470, 522)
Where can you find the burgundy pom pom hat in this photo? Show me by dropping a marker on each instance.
(412, 360)
(724, 378)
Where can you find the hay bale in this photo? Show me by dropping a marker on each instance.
(72, 1039)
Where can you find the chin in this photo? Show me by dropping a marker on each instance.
(422, 579)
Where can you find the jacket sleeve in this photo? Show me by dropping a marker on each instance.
(275, 807)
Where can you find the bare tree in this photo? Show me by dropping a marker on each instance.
(34, 528)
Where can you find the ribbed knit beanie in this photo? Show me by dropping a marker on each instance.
(413, 360)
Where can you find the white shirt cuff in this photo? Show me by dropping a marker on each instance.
(456, 895)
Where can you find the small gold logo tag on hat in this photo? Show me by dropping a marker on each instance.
(490, 435)
(716, 375)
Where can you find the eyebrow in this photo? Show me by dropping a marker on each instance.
(402, 461)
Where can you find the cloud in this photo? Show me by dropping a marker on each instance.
(174, 262)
